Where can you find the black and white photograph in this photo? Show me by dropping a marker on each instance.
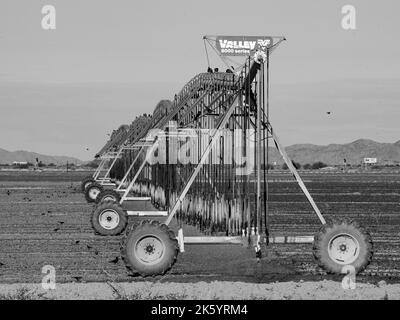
(199, 155)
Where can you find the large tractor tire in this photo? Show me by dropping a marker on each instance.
(109, 219)
(343, 243)
(108, 195)
(85, 183)
(92, 191)
(149, 248)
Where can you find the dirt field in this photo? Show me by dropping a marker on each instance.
(44, 220)
(215, 290)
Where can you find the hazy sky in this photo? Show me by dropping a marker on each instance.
(62, 91)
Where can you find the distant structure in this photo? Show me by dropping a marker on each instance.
(370, 160)
(20, 163)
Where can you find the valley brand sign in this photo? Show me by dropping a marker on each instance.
(241, 45)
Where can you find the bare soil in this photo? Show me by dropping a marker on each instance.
(44, 220)
(216, 290)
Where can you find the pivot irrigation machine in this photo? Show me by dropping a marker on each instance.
(107, 153)
(117, 148)
(202, 160)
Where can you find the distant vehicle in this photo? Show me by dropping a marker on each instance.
(370, 160)
(20, 164)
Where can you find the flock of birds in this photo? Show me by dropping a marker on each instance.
(77, 242)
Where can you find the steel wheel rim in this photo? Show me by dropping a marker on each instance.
(109, 198)
(149, 249)
(109, 219)
(344, 249)
(87, 184)
(93, 193)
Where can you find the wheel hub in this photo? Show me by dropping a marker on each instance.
(343, 249)
(109, 219)
(150, 249)
(93, 193)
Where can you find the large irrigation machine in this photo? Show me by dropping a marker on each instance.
(116, 149)
(101, 175)
(202, 160)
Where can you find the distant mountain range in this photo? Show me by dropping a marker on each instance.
(333, 154)
(8, 157)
